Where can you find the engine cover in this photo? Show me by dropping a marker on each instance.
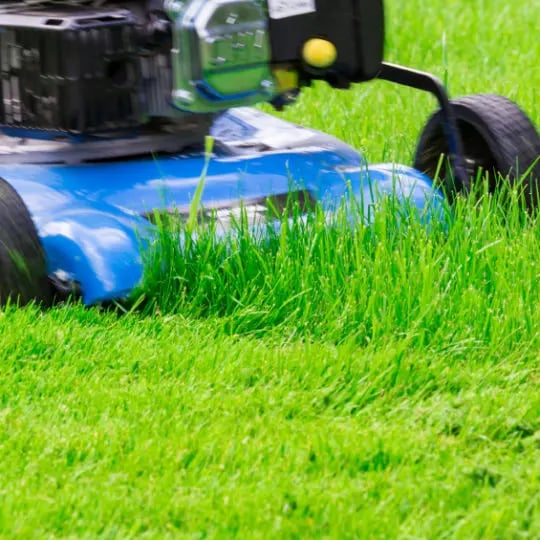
(94, 66)
(80, 69)
(69, 69)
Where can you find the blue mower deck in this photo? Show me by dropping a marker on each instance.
(90, 215)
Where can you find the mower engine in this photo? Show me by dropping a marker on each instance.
(92, 67)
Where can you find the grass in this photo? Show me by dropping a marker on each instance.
(166, 427)
(332, 382)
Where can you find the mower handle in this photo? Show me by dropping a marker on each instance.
(427, 82)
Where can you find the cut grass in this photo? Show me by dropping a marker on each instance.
(120, 427)
(377, 382)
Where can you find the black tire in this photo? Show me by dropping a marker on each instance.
(23, 274)
(498, 138)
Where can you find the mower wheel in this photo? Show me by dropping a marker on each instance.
(498, 139)
(23, 275)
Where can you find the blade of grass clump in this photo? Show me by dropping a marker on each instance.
(195, 204)
(445, 60)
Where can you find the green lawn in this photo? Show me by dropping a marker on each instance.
(377, 383)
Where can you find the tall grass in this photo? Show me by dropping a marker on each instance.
(466, 278)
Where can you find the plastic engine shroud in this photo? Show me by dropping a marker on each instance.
(93, 67)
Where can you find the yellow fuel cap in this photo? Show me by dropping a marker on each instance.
(319, 53)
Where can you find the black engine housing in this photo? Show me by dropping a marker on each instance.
(93, 66)
(80, 69)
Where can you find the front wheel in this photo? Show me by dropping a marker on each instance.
(23, 275)
(498, 139)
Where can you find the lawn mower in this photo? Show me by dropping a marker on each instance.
(106, 105)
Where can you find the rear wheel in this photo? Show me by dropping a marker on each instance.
(498, 139)
(23, 274)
